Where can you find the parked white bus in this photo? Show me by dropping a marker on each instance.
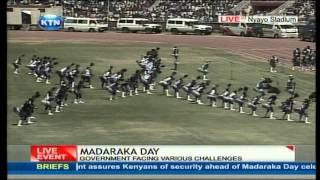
(84, 24)
(279, 31)
(183, 25)
(137, 24)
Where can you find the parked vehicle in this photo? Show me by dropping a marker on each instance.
(84, 24)
(275, 30)
(237, 29)
(137, 24)
(308, 33)
(184, 26)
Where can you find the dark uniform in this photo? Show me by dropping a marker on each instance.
(175, 54)
(296, 58)
(253, 105)
(188, 88)
(273, 63)
(166, 83)
(231, 99)
(198, 91)
(212, 96)
(303, 111)
(291, 85)
(86, 76)
(242, 99)
(124, 87)
(204, 70)
(61, 96)
(105, 77)
(78, 93)
(269, 104)
(134, 83)
(16, 64)
(287, 108)
(23, 112)
(47, 101)
(112, 89)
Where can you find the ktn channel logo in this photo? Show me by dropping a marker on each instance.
(50, 22)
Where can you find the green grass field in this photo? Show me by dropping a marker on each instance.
(152, 119)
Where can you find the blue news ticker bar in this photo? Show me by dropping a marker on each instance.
(78, 168)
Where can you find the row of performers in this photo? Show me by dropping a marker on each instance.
(150, 68)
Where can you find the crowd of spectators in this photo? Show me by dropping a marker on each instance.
(202, 10)
(302, 8)
(160, 10)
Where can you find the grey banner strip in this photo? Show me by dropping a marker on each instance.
(162, 177)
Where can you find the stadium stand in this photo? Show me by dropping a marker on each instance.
(160, 10)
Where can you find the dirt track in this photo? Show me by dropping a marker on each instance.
(257, 48)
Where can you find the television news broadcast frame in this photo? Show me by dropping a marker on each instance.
(77, 142)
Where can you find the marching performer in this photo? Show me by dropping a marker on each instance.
(204, 70)
(212, 96)
(287, 107)
(134, 83)
(17, 63)
(242, 99)
(291, 85)
(231, 98)
(47, 101)
(224, 97)
(106, 76)
(303, 111)
(78, 93)
(273, 63)
(165, 83)
(145, 79)
(253, 105)
(112, 89)
(177, 85)
(188, 87)
(24, 112)
(268, 106)
(198, 90)
(175, 54)
(86, 76)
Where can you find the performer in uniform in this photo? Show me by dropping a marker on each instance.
(204, 70)
(105, 77)
(47, 101)
(112, 88)
(177, 85)
(188, 88)
(291, 85)
(166, 83)
(273, 63)
(23, 113)
(303, 111)
(254, 104)
(242, 99)
(287, 107)
(198, 91)
(78, 93)
(175, 54)
(224, 97)
(86, 76)
(269, 104)
(145, 79)
(17, 64)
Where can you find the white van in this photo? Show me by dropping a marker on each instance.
(184, 25)
(137, 24)
(84, 24)
(279, 30)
